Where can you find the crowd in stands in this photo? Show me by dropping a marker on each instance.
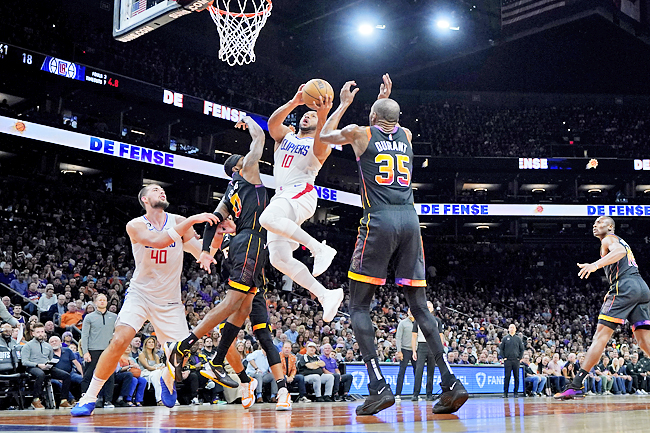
(62, 246)
(448, 129)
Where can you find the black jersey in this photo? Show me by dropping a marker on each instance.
(385, 169)
(245, 202)
(626, 267)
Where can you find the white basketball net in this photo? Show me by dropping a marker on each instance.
(238, 28)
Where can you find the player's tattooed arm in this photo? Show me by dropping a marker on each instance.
(614, 252)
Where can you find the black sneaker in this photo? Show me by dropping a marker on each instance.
(451, 398)
(377, 401)
(175, 356)
(218, 374)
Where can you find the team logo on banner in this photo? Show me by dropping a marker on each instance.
(480, 379)
(63, 68)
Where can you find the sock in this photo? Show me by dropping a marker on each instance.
(374, 373)
(93, 389)
(307, 280)
(188, 342)
(314, 246)
(580, 377)
(282, 383)
(228, 334)
(243, 377)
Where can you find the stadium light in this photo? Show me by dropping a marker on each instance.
(366, 29)
(444, 24)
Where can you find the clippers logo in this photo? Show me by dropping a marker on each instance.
(480, 379)
(63, 68)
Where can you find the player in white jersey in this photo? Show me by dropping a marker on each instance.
(158, 239)
(298, 158)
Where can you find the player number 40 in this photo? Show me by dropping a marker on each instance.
(389, 165)
(159, 256)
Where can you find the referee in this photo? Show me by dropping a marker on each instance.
(512, 350)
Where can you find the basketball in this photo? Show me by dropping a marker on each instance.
(314, 89)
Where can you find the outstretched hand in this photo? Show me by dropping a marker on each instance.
(386, 87)
(347, 95)
(210, 218)
(297, 98)
(205, 260)
(323, 108)
(586, 269)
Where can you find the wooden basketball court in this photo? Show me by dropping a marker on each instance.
(488, 414)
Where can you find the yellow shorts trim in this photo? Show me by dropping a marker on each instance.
(611, 319)
(242, 287)
(366, 279)
(259, 326)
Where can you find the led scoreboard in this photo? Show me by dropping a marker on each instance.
(11, 56)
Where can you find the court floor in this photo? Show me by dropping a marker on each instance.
(487, 414)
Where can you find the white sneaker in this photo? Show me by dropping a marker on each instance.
(247, 391)
(331, 300)
(195, 402)
(304, 399)
(323, 259)
(109, 406)
(284, 400)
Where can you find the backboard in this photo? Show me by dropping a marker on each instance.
(134, 18)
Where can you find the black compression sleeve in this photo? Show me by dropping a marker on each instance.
(209, 231)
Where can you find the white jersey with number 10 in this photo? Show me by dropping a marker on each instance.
(295, 162)
(157, 273)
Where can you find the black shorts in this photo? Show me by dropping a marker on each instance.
(259, 314)
(391, 233)
(247, 257)
(627, 299)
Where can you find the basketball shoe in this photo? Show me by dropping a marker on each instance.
(247, 391)
(570, 392)
(83, 408)
(451, 398)
(284, 400)
(218, 374)
(331, 300)
(378, 400)
(323, 259)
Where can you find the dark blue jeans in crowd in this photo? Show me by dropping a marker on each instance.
(138, 385)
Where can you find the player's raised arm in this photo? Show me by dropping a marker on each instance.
(386, 87)
(615, 252)
(350, 133)
(250, 166)
(139, 233)
(321, 149)
(276, 129)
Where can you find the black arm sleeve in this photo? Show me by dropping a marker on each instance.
(209, 231)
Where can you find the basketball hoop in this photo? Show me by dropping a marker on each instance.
(239, 28)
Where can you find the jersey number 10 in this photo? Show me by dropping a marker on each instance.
(159, 256)
(387, 169)
(286, 161)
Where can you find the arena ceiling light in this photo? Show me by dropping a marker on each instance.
(445, 24)
(366, 29)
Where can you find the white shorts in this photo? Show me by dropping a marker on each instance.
(303, 198)
(168, 320)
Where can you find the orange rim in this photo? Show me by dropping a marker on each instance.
(241, 15)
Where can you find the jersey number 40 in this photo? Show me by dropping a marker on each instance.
(388, 168)
(159, 256)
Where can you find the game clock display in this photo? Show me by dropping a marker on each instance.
(12, 56)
